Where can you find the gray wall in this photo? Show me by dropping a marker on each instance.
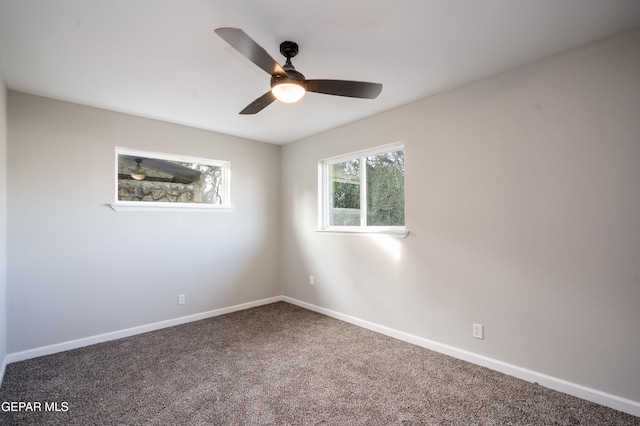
(76, 268)
(3, 224)
(523, 205)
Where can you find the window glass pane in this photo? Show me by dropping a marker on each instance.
(385, 189)
(148, 179)
(344, 209)
(364, 190)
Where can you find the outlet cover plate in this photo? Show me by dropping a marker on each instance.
(478, 331)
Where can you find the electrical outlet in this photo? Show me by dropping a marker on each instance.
(478, 331)
(312, 280)
(181, 299)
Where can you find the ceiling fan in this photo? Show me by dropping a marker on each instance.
(287, 84)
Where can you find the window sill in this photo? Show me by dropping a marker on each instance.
(388, 233)
(166, 207)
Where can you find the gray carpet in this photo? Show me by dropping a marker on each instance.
(279, 365)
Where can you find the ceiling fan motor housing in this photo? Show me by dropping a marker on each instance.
(292, 76)
(289, 49)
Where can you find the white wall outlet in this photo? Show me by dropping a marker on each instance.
(312, 280)
(478, 331)
(181, 299)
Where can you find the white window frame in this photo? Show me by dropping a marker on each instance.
(167, 206)
(324, 194)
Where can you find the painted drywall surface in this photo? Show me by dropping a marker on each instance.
(523, 205)
(76, 268)
(3, 222)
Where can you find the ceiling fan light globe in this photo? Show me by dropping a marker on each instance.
(288, 92)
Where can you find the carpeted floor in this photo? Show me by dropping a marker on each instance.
(278, 365)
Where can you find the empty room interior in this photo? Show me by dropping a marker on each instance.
(461, 178)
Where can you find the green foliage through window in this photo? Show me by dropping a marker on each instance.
(385, 189)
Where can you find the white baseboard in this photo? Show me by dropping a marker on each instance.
(91, 340)
(3, 368)
(608, 400)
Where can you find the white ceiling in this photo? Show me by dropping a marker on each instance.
(161, 58)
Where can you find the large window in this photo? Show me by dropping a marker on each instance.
(157, 180)
(364, 191)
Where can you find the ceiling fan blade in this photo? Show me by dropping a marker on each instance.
(352, 89)
(259, 104)
(244, 44)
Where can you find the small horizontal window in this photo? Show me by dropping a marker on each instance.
(363, 191)
(146, 179)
